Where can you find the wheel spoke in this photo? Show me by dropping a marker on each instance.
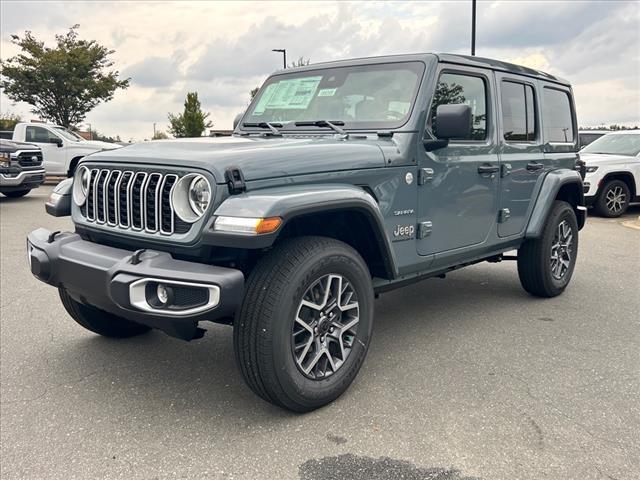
(327, 311)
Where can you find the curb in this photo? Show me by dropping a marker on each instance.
(635, 224)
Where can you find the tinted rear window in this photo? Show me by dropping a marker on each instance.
(518, 112)
(556, 116)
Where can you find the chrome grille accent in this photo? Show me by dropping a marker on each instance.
(140, 201)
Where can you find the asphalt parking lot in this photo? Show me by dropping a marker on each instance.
(467, 377)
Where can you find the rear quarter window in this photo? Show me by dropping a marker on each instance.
(557, 116)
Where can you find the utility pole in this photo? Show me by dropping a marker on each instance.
(473, 27)
(154, 129)
(283, 51)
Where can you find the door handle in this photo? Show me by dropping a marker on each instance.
(534, 166)
(486, 168)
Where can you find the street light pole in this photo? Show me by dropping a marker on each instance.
(473, 27)
(284, 55)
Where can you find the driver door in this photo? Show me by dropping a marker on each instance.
(459, 183)
(54, 156)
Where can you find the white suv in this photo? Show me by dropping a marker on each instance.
(612, 172)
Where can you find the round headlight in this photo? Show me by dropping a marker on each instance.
(81, 185)
(199, 195)
(191, 197)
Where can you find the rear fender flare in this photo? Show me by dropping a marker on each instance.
(554, 182)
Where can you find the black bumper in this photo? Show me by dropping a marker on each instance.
(102, 276)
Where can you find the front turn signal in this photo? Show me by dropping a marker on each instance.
(268, 225)
(251, 226)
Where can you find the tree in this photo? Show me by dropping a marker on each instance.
(192, 122)
(159, 135)
(253, 92)
(301, 62)
(8, 121)
(64, 83)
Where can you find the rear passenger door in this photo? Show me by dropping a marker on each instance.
(521, 150)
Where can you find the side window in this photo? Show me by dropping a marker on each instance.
(457, 88)
(556, 115)
(518, 112)
(39, 135)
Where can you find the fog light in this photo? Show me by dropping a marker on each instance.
(164, 294)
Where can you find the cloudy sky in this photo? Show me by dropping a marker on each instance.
(223, 49)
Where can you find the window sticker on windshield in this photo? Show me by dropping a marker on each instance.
(327, 92)
(294, 94)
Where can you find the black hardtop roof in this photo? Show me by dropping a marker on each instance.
(456, 59)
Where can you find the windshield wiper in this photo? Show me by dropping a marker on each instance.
(271, 126)
(324, 123)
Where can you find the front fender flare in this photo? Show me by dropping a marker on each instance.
(291, 202)
(553, 182)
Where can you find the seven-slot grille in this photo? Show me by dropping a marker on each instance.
(135, 200)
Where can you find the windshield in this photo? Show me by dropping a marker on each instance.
(68, 134)
(360, 97)
(615, 144)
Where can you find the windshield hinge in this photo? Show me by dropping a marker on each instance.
(235, 180)
(425, 175)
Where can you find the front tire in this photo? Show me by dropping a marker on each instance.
(614, 199)
(16, 193)
(546, 264)
(98, 321)
(305, 324)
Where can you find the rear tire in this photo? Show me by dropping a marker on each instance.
(546, 264)
(98, 321)
(298, 342)
(613, 199)
(16, 193)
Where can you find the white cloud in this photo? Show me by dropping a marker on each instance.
(223, 49)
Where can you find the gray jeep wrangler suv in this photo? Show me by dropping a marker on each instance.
(341, 180)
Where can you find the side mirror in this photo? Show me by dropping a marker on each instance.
(236, 120)
(452, 121)
(57, 141)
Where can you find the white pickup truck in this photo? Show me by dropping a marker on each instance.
(61, 148)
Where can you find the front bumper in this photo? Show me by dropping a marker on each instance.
(106, 277)
(23, 179)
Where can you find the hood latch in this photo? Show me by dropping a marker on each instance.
(235, 180)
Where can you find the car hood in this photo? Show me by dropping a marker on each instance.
(605, 159)
(12, 145)
(98, 145)
(257, 157)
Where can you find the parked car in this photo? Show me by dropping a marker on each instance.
(20, 168)
(341, 181)
(612, 165)
(61, 148)
(588, 136)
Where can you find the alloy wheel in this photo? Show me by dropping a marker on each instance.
(615, 199)
(325, 327)
(561, 250)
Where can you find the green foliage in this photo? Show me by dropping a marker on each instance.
(301, 62)
(95, 135)
(159, 135)
(613, 127)
(8, 121)
(192, 122)
(64, 83)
